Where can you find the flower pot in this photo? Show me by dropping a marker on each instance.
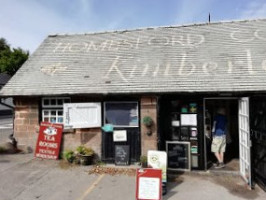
(86, 160)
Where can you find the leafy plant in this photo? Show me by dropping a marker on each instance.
(147, 121)
(143, 161)
(69, 155)
(86, 151)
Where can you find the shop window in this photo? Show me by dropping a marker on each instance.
(82, 115)
(122, 114)
(52, 109)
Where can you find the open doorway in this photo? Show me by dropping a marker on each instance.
(231, 155)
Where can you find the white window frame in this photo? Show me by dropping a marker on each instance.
(122, 102)
(51, 108)
(54, 98)
(84, 124)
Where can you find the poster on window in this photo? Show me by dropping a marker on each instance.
(49, 140)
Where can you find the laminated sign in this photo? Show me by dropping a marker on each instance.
(49, 140)
(149, 184)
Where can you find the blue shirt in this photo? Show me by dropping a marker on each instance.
(220, 125)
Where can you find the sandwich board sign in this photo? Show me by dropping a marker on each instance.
(158, 160)
(49, 140)
(149, 184)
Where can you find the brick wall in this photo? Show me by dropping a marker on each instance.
(90, 137)
(26, 123)
(26, 127)
(148, 108)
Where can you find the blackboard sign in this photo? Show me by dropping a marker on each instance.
(122, 154)
(178, 154)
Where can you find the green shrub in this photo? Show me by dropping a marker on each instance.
(69, 155)
(87, 151)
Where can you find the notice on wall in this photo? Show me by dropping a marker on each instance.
(49, 140)
(120, 136)
(149, 184)
(188, 119)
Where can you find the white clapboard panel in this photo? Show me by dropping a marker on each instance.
(82, 115)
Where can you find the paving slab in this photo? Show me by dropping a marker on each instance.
(26, 178)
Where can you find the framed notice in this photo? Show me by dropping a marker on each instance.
(188, 119)
(178, 155)
(120, 136)
(149, 184)
(49, 140)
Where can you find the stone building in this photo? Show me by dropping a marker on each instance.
(179, 76)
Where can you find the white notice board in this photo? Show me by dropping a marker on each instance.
(188, 119)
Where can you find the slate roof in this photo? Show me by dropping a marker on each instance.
(4, 78)
(216, 57)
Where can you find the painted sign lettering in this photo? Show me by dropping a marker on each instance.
(49, 140)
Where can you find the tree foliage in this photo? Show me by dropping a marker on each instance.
(11, 59)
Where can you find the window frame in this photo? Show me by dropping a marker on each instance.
(96, 105)
(122, 102)
(51, 108)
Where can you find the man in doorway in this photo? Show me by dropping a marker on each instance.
(219, 137)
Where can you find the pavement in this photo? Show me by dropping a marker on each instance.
(24, 177)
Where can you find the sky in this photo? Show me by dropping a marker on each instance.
(26, 23)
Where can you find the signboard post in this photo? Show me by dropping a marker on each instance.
(49, 140)
(149, 184)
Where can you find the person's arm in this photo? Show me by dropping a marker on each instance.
(213, 128)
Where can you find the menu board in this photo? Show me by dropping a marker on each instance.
(149, 184)
(178, 154)
(122, 154)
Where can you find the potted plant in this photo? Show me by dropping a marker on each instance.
(143, 161)
(69, 155)
(85, 155)
(148, 122)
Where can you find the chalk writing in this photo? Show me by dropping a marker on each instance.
(249, 62)
(187, 40)
(209, 67)
(184, 67)
(246, 36)
(115, 68)
(52, 69)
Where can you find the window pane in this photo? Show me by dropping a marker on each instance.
(53, 119)
(46, 119)
(53, 112)
(60, 102)
(46, 112)
(53, 102)
(121, 114)
(60, 113)
(66, 100)
(46, 102)
(60, 119)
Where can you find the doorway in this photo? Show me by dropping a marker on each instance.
(231, 156)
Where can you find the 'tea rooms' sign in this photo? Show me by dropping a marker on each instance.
(49, 140)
